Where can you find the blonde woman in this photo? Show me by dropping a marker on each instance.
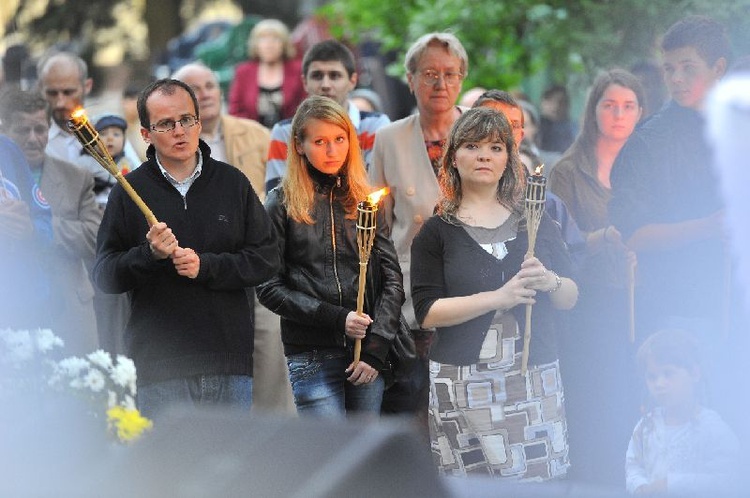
(314, 211)
(268, 87)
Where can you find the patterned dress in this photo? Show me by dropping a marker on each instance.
(485, 417)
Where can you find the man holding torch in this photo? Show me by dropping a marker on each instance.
(189, 274)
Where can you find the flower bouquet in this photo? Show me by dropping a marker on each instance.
(111, 382)
(28, 367)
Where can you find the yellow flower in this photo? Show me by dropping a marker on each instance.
(129, 423)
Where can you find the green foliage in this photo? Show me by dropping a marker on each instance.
(66, 20)
(510, 42)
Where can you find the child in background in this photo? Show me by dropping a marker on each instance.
(111, 129)
(679, 447)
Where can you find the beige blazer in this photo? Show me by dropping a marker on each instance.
(76, 216)
(246, 142)
(399, 160)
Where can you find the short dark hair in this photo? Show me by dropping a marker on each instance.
(494, 95)
(706, 35)
(329, 50)
(165, 86)
(13, 101)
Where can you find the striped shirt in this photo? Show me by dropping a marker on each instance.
(366, 123)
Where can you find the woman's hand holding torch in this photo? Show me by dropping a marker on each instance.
(367, 211)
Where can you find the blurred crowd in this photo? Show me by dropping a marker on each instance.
(244, 290)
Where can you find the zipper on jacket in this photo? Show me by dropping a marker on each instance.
(333, 246)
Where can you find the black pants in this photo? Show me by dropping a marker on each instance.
(410, 395)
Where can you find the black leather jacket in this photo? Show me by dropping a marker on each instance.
(318, 282)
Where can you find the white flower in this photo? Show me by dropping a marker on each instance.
(46, 340)
(129, 403)
(123, 373)
(19, 344)
(95, 380)
(101, 358)
(72, 366)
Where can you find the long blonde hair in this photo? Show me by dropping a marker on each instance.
(299, 191)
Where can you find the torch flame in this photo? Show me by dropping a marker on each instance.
(538, 170)
(375, 197)
(78, 116)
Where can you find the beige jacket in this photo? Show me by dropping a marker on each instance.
(246, 143)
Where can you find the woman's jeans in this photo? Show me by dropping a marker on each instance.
(221, 391)
(320, 387)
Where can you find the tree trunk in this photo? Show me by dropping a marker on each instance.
(164, 23)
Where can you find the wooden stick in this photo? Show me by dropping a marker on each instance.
(527, 328)
(631, 300)
(366, 222)
(536, 196)
(360, 306)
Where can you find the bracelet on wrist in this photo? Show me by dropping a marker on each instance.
(558, 282)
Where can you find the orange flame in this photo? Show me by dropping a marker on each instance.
(78, 116)
(375, 197)
(538, 170)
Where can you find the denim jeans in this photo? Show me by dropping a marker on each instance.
(232, 391)
(320, 387)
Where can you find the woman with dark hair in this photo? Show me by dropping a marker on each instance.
(599, 350)
(470, 282)
(314, 211)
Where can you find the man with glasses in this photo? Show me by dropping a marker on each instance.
(329, 70)
(191, 329)
(504, 103)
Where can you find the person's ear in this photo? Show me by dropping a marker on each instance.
(146, 135)
(353, 81)
(410, 82)
(87, 86)
(298, 147)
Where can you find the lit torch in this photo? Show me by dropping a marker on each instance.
(536, 196)
(367, 211)
(81, 127)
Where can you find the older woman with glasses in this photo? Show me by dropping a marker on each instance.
(406, 157)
